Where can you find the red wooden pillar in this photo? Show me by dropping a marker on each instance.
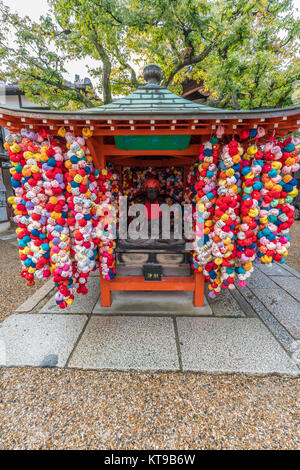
(96, 147)
(199, 289)
(105, 293)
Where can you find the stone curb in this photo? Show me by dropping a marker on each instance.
(292, 271)
(36, 298)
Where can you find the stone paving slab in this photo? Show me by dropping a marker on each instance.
(241, 345)
(261, 280)
(81, 304)
(244, 304)
(153, 303)
(280, 333)
(8, 236)
(226, 305)
(284, 308)
(39, 339)
(274, 270)
(37, 297)
(95, 273)
(125, 343)
(291, 286)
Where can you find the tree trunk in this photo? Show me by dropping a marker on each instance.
(106, 70)
(107, 98)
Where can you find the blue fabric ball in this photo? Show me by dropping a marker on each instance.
(51, 162)
(74, 159)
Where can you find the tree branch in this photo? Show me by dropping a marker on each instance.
(106, 71)
(189, 61)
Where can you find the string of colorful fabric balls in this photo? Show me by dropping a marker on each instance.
(243, 210)
(67, 213)
(58, 193)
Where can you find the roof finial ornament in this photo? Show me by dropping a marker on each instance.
(152, 74)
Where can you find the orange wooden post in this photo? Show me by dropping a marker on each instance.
(199, 289)
(105, 293)
(96, 147)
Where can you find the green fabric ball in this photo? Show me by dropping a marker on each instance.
(272, 218)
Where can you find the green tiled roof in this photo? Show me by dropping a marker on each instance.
(151, 99)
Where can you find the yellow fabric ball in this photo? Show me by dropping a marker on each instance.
(55, 215)
(294, 193)
(254, 212)
(78, 179)
(230, 172)
(61, 132)
(276, 165)
(15, 148)
(208, 223)
(266, 259)
(247, 266)
(34, 169)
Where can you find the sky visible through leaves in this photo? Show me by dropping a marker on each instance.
(34, 9)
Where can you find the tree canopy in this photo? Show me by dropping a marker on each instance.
(244, 51)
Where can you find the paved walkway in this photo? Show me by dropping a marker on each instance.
(255, 330)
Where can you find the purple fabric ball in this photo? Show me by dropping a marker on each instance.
(29, 205)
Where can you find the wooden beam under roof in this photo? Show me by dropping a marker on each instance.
(153, 163)
(112, 150)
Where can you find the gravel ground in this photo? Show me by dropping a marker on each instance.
(293, 258)
(13, 288)
(71, 409)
